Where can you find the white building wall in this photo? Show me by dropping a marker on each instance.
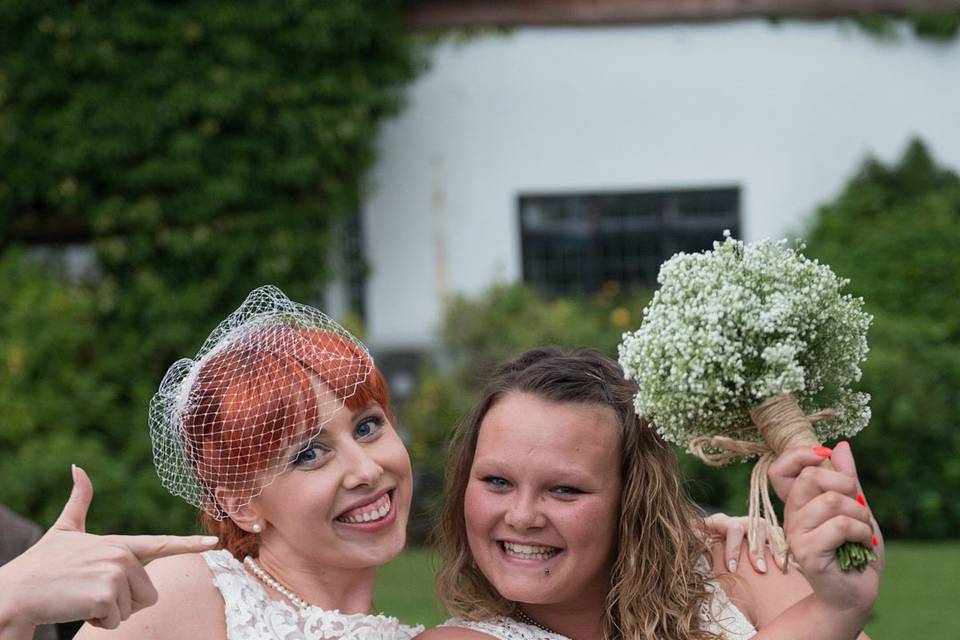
(786, 112)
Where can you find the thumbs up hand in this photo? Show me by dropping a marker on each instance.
(73, 575)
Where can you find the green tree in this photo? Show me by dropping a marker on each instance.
(895, 231)
(203, 149)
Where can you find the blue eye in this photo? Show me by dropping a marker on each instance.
(496, 482)
(310, 456)
(368, 427)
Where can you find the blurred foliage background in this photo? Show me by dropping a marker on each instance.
(894, 231)
(202, 149)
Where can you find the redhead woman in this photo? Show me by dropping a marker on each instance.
(565, 517)
(280, 432)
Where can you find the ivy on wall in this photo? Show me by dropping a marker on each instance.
(200, 149)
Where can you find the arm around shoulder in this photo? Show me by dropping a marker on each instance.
(188, 605)
(761, 596)
(778, 604)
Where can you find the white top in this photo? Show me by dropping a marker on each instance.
(252, 614)
(724, 620)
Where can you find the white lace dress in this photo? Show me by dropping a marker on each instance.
(724, 619)
(253, 615)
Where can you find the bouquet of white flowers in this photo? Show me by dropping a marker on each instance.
(741, 351)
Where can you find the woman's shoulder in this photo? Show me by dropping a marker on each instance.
(188, 604)
(187, 576)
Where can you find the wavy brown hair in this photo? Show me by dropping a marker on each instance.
(656, 587)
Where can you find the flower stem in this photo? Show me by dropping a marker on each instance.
(854, 555)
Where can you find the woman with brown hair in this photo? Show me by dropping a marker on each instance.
(565, 517)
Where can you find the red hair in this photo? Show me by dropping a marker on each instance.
(252, 400)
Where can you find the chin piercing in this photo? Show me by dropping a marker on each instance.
(546, 572)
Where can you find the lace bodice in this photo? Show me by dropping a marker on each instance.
(724, 619)
(251, 613)
(505, 628)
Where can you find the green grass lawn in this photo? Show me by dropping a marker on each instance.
(919, 596)
(920, 593)
(405, 588)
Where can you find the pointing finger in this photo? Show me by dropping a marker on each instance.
(148, 548)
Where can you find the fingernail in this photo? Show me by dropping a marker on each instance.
(874, 541)
(762, 565)
(732, 566)
(209, 540)
(861, 499)
(823, 452)
(73, 472)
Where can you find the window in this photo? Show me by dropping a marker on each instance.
(574, 243)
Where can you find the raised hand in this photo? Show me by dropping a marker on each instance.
(73, 575)
(823, 509)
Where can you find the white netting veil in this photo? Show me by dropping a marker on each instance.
(268, 378)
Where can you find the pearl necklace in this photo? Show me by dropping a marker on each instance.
(272, 582)
(524, 617)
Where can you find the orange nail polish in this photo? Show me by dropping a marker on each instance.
(823, 452)
(874, 541)
(861, 499)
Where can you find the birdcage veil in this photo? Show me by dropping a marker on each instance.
(262, 386)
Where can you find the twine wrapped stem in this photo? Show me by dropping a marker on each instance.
(782, 424)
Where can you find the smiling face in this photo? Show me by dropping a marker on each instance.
(542, 500)
(345, 500)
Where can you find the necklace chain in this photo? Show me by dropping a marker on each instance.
(273, 583)
(525, 617)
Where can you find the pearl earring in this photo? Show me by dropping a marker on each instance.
(257, 528)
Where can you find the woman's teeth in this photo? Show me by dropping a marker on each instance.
(529, 552)
(369, 512)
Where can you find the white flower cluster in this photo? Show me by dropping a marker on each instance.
(731, 327)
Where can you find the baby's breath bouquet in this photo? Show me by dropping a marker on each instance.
(747, 350)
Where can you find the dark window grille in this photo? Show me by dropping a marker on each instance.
(574, 243)
(356, 263)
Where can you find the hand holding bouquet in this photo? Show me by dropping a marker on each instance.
(745, 351)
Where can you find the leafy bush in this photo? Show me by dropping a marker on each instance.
(895, 232)
(203, 149)
(59, 407)
(936, 26)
